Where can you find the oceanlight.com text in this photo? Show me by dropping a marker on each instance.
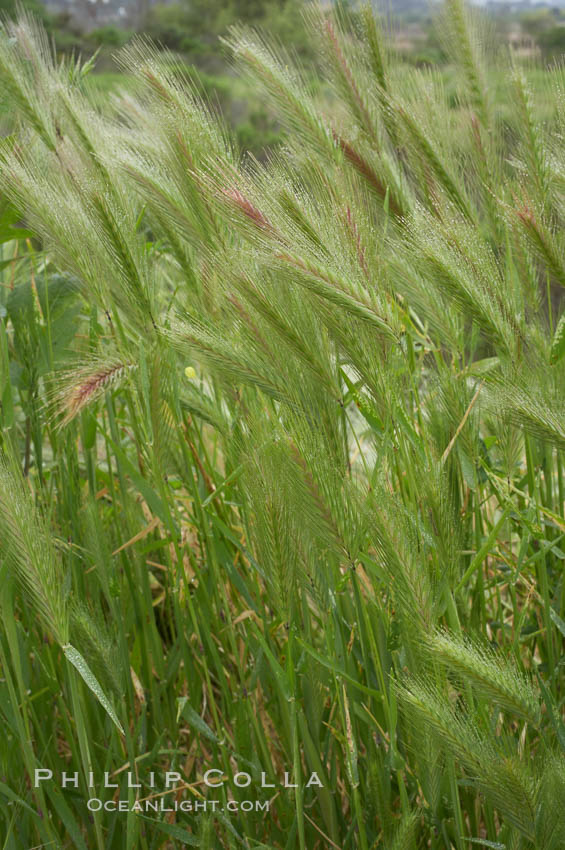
(94, 804)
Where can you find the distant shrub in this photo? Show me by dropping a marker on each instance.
(109, 36)
(552, 40)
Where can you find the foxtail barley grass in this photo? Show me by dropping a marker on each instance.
(282, 488)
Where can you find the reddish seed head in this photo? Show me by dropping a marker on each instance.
(526, 214)
(247, 208)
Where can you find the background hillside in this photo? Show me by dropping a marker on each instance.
(193, 29)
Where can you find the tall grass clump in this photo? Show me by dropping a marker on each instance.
(281, 489)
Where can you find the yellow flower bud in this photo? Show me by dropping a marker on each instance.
(190, 373)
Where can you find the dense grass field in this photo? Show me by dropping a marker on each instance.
(281, 478)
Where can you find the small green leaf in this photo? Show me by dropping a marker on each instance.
(64, 812)
(557, 621)
(558, 344)
(6, 791)
(76, 659)
(186, 710)
(174, 831)
(362, 404)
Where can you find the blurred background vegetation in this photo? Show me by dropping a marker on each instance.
(535, 33)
